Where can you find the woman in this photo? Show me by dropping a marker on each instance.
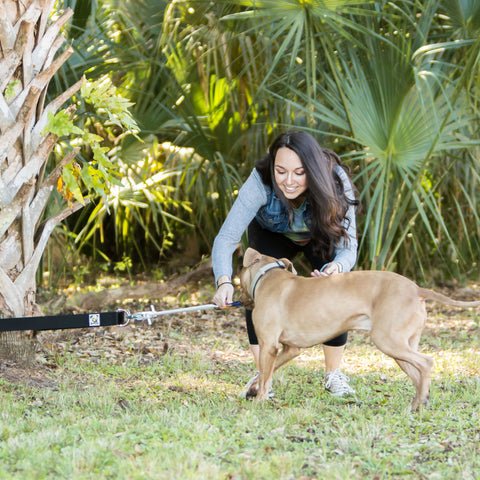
(297, 199)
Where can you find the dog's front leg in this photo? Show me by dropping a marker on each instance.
(268, 355)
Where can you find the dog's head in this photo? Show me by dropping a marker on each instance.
(253, 261)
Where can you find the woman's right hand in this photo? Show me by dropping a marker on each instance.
(224, 294)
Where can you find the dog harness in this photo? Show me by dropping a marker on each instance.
(261, 272)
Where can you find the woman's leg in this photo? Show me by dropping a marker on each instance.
(333, 357)
(333, 352)
(336, 382)
(255, 351)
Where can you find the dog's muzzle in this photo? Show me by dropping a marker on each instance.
(261, 272)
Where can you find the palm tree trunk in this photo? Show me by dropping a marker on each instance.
(29, 42)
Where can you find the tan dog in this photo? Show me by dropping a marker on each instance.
(299, 312)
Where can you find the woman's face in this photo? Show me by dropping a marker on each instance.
(290, 175)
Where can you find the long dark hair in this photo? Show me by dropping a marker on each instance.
(325, 192)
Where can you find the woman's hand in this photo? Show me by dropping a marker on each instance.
(224, 294)
(331, 268)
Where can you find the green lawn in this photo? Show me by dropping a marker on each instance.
(160, 402)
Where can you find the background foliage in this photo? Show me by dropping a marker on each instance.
(391, 86)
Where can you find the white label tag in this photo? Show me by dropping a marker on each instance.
(94, 320)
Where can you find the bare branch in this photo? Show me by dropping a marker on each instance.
(34, 165)
(29, 271)
(11, 295)
(41, 81)
(53, 106)
(9, 137)
(13, 57)
(31, 14)
(40, 54)
(10, 254)
(8, 64)
(44, 16)
(6, 117)
(41, 198)
(10, 211)
(27, 65)
(7, 33)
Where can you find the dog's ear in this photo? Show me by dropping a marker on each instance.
(288, 265)
(250, 256)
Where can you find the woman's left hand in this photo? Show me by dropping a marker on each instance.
(331, 268)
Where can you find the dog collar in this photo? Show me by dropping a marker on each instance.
(261, 272)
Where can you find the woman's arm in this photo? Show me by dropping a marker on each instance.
(346, 250)
(250, 198)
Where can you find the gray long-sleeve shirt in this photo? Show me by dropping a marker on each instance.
(251, 197)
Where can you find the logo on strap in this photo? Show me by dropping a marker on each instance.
(94, 320)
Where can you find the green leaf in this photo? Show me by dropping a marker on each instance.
(61, 125)
(104, 97)
(70, 180)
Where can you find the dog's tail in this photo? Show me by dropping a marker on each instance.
(438, 297)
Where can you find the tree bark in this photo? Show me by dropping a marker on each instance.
(29, 42)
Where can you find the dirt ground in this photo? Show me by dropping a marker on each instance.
(219, 335)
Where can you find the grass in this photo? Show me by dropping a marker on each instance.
(161, 402)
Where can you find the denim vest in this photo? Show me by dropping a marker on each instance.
(273, 216)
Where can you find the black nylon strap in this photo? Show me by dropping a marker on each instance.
(57, 322)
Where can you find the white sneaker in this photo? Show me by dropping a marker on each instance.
(244, 392)
(336, 383)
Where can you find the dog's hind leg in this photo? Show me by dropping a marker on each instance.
(413, 372)
(400, 341)
(416, 365)
(420, 377)
(419, 371)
